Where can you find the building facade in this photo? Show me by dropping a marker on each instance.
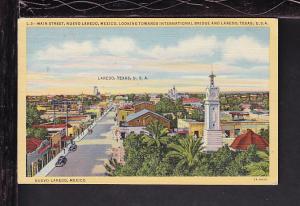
(230, 129)
(143, 105)
(137, 122)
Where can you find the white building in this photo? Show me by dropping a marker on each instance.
(172, 93)
(212, 136)
(96, 91)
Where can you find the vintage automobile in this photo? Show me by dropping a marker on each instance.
(62, 160)
(73, 148)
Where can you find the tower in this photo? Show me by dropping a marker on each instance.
(95, 92)
(212, 137)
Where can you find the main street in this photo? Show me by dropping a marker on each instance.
(92, 151)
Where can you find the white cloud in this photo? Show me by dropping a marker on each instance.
(67, 50)
(198, 45)
(118, 45)
(244, 48)
(116, 54)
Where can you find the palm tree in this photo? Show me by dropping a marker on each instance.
(186, 151)
(260, 168)
(157, 134)
(111, 166)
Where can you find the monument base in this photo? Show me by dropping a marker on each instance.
(212, 140)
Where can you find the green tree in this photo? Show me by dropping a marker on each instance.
(197, 115)
(220, 160)
(157, 134)
(165, 105)
(150, 163)
(173, 121)
(135, 152)
(131, 97)
(264, 133)
(187, 153)
(145, 98)
(252, 155)
(112, 167)
(259, 167)
(40, 133)
(266, 103)
(32, 115)
(237, 166)
(58, 121)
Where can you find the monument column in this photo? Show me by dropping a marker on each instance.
(212, 136)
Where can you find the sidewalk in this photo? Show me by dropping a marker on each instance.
(51, 165)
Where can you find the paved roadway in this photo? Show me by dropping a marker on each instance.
(91, 152)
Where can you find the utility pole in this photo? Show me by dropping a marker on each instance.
(67, 120)
(53, 103)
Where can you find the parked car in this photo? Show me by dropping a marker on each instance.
(62, 160)
(73, 148)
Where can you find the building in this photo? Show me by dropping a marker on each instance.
(239, 115)
(172, 93)
(245, 107)
(262, 115)
(96, 92)
(243, 141)
(76, 118)
(192, 127)
(194, 102)
(212, 137)
(56, 143)
(123, 112)
(54, 128)
(155, 100)
(145, 117)
(137, 122)
(143, 105)
(230, 129)
(38, 154)
(190, 109)
(43, 108)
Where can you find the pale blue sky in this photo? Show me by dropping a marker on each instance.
(181, 55)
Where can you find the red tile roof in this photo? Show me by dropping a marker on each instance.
(240, 113)
(126, 107)
(32, 144)
(43, 149)
(73, 117)
(190, 100)
(242, 142)
(51, 126)
(183, 132)
(138, 103)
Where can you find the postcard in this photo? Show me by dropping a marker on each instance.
(184, 101)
